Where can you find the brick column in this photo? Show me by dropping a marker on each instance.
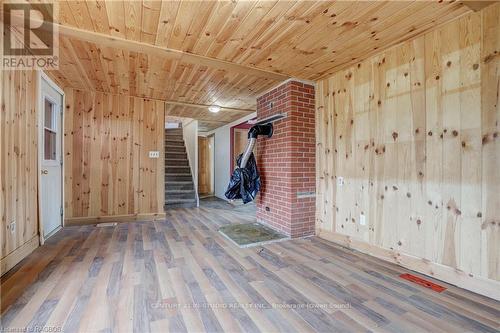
(287, 160)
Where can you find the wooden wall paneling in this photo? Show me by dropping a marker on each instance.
(211, 163)
(469, 254)
(19, 166)
(490, 148)
(135, 149)
(108, 171)
(151, 192)
(414, 138)
(106, 161)
(416, 192)
(451, 192)
(362, 91)
(322, 127)
(96, 129)
(69, 112)
(204, 165)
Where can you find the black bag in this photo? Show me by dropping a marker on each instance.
(245, 182)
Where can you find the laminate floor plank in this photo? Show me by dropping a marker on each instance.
(179, 274)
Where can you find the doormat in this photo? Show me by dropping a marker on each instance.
(251, 234)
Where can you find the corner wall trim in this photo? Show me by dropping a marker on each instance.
(487, 287)
(75, 221)
(13, 258)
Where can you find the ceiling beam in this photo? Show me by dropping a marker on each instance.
(168, 53)
(477, 5)
(205, 106)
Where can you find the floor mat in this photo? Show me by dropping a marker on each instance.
(251, 234)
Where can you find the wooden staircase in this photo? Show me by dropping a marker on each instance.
(179, 186)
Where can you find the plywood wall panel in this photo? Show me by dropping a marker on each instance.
(18, 164)
(414, 133)
(107, 140)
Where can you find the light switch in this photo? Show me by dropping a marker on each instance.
(340, 181)
(154, 154)
(362, 219)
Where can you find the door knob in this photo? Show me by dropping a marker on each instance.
(45, 172)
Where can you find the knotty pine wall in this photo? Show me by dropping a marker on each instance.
(18, 166)
(414, 133)
(108, 172)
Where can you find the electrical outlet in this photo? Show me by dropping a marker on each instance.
(340, 181)
(154, 154)
(12, 227)
(362, 219)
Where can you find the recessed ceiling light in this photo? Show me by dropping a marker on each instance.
(214, 108)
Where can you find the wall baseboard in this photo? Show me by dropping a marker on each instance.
(457, 277)
(13, 258)
(72, 221)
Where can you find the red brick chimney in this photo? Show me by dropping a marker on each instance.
(287, 160)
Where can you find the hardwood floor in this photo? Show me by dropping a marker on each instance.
(180, 275)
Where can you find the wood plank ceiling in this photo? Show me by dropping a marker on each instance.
(303, 39)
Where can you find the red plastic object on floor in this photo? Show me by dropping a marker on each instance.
(423, 282)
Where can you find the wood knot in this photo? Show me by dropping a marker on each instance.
(394, 135)
(455, 133)
(419, 222)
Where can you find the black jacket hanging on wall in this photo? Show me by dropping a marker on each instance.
(245, 182)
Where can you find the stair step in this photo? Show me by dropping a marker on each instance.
(179, 196)
(178, 191)
(174, 143)
(175, 149)
(175, 155)
(177, 170)
(177, 163)
(179, 200)
(178, 186)
(178, 177)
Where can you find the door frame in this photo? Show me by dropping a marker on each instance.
(40, 78)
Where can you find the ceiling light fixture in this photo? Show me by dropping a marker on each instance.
(214, 108)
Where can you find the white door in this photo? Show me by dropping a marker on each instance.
(51, 157)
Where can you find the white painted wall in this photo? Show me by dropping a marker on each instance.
(222, 154)
(190, 133)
